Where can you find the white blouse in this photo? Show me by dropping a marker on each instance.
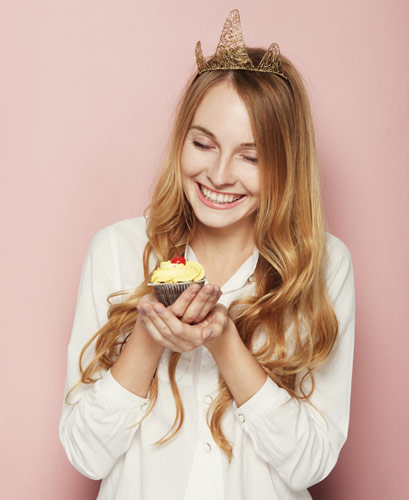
(280, 446)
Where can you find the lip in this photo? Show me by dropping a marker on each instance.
(217, 206)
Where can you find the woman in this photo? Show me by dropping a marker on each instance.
(241, 389)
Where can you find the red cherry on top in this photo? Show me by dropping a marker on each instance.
(178, 260)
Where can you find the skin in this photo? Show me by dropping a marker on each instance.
(219, 153)
(224, 240)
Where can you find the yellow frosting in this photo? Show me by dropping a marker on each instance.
(175, 273)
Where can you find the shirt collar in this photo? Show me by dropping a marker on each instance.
(240, 278)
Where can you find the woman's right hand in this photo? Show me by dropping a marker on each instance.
(195, 303)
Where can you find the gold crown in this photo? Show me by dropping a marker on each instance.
(231, 52)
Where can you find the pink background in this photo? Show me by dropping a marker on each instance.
(87, 93)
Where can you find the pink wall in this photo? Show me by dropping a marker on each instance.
(87, 92)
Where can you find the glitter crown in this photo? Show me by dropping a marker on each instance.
(231, 52)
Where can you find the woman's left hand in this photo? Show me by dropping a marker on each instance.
(169, 331)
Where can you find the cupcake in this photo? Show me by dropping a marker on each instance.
(172, 277)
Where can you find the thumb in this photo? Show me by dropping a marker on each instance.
(207, 332)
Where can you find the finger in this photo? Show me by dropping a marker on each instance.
(208, 306)
(184, 336)
(146, 315)
(180, 305)
(150, 298)
(217, 321)
(207, 332)
(168, 326)
(156, 336)
(212, 331)
(193, 309)
(199, 308)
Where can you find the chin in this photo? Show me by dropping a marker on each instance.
(223, 220)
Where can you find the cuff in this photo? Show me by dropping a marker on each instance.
(116, 395)
(266, 400)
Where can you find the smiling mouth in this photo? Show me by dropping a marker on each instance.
(219, 198)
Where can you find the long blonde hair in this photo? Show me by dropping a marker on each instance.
(290, 293)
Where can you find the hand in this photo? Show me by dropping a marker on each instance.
(171, 332)
(195, 303)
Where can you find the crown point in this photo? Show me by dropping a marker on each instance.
(271, 62)
(200, 60)
(231, 53)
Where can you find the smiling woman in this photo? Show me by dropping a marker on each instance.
(239, 389)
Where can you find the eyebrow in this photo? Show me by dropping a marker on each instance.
(210, 134)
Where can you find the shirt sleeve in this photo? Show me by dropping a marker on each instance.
(301, 442)
(99, 421)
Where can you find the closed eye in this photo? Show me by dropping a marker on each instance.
(203, 146)
(200, 145)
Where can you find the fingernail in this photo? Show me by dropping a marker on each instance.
(208, 332)
(208, 291)
(216, 291)
(194, 289)
(146, 309)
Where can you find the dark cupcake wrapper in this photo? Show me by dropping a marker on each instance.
(167, 293)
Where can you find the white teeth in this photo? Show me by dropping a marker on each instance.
(218, 197)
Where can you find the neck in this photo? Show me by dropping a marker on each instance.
(222, 240)
(222, 251)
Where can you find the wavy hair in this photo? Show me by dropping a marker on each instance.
(290, 307)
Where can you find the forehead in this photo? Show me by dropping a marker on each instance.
(224, 113)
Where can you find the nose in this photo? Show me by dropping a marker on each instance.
(221, 172)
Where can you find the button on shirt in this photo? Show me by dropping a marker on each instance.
(280, 446)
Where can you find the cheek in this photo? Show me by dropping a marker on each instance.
(256, 186)
(192, 162)
(184, 161)
(187, 162)
(188, 168)
(252, 182)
